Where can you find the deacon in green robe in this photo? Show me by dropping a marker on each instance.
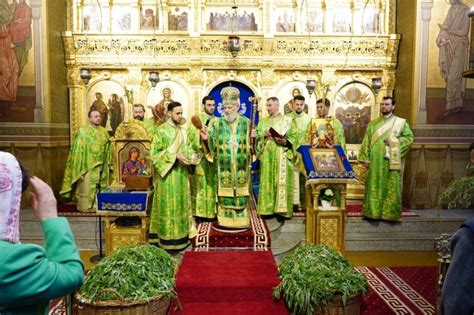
(229, 143)
(274, 150)
(299, 132)
(204, 177)
(171, 222)
(386, 142)
(150, 124)
(85, 164)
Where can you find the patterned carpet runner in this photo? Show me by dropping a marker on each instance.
(240, 282)
(400, 290)
(356, 211)
(58, 306)
(227, 282)
(70, 210)
(257, 237)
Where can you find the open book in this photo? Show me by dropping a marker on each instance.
(279, 130)
(275, 134)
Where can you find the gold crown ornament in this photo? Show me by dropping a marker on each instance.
(230, 95)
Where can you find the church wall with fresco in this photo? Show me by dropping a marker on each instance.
(449, 96)
(442, 112)
(34, 120)
(17, 88)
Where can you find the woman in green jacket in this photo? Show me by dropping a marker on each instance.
(30, 275)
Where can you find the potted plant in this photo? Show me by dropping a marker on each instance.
(459, 194)
(326, 197)
(133, 280)
(316, 279)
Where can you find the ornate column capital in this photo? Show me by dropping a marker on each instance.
(36, 9)
(426, 6)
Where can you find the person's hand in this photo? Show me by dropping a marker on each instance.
(267, 134)
(280, 141)
(204, 135)
(182, 159)
(386, 141)
(42, 200)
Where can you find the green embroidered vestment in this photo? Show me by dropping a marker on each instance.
(89, 149)
(204, 179)
(229, 144)
(383, 186)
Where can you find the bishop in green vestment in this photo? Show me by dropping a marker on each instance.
(204, 178)
(386, 142)
(229, 143)
(89, 151)
(275, 195)
(299, 132)
(171, 222)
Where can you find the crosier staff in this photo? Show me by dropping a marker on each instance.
(254, 99)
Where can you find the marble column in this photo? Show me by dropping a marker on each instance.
(421, 60)
(38, 60)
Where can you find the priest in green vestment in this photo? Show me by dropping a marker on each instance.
(171, 221)
(204, 177)
(275, 152)
(85, 164)
(385, 144)
(229, 144)
(138, 111)
(299, 130)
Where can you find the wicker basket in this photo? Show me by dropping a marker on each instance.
(336, 307)
(156, 305)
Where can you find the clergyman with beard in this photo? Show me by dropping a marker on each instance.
(386, 142)
(229, 144)
(171, 222)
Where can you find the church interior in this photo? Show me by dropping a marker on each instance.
(63, 60)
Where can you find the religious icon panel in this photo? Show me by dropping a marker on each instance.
(326, 160)
(177, 19)
(353, 107)
(134, 160)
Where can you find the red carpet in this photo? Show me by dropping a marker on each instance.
(241, 282)
(70, 210)
(57, 306)
(356, 211)
(228, 282)
(400, 290)
(257, 237)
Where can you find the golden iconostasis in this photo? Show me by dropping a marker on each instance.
(341, 45)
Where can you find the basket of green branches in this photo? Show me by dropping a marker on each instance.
(133, 280)
(316, 279)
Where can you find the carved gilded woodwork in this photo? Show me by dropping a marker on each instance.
(116, 236)
(381, 47)
(198, 60)
(326, 226)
